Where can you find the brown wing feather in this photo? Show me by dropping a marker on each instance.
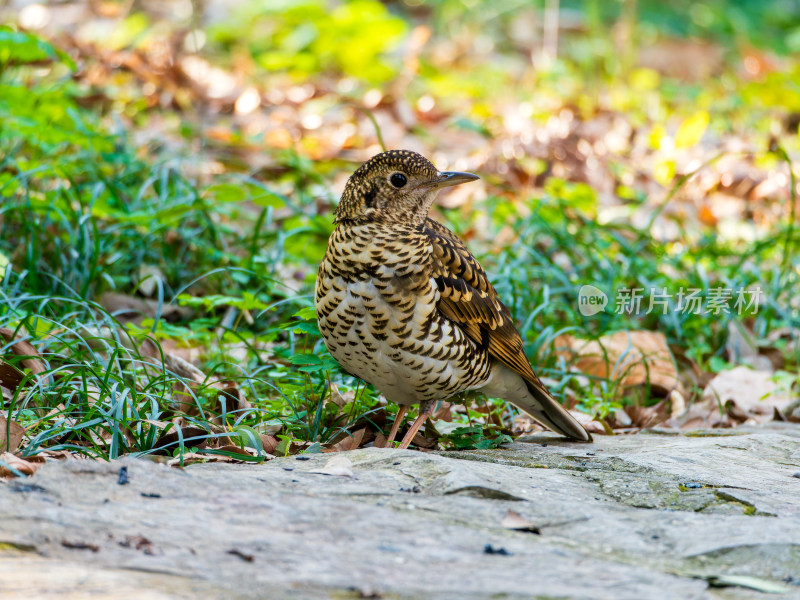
(468, 298)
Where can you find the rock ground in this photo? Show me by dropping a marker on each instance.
(712, 514)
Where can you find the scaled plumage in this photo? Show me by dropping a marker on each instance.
(405, 306)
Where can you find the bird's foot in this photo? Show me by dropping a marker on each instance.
(424, 413)
(398, 420)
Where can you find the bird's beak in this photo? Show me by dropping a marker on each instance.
(448, 178)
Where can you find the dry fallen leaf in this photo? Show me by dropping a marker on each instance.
(337, 465)
(682, 59)
(754, 393)
(745, 395)
(742, 349)
(26, 466)
(195, 437)
(193, 380)
(61, 454)
(632, 357)
(424, 443)
(444, 413)
(11, 434)
(269, 443)
(23, 348)
(10, 378)
(351, 442)
(642, 417)
(130, 308)
(150, 278)
(514, 520)
(588, 422)
(338, 398)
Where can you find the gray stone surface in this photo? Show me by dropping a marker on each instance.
(650, 516)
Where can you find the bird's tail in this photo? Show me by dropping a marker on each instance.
(550, 413)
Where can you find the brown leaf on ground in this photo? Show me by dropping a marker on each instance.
(269, 443)
(169, 441)
(231, 394)
(26, 466)
(11, 434)
(514, 520)
(753, 392)
(744, 395)
(692, 377)
(422, 442)
(444, 413)
(338, 465)
(631, 357)
(299, 446)
(588, 422)
(59, 454)
(742, 348)
(179, 348)
(356, 440)
(338, 398)
(786, 335)
(524, 425)
(127, 308)
(10, 378)
(23, 348)
(792, 412)
(6, 395)
(193, 381)
(643, 417)
(184, 369)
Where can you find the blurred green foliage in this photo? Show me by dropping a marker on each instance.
(769, 24)
(301, 37)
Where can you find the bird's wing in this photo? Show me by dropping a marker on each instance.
(468, 298)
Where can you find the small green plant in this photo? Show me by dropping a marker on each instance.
(476, 437)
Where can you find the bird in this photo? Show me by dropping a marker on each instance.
(404, 305)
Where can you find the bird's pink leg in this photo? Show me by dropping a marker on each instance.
(401, 412)
(425, 411)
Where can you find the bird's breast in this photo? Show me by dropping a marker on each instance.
(377, 310)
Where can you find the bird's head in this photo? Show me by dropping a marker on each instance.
(396, 187)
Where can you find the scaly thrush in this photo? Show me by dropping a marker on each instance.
(404, 305)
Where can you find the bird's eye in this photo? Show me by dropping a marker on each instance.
(398, 180)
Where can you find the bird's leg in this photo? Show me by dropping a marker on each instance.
(425, 411)
(401, 412)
